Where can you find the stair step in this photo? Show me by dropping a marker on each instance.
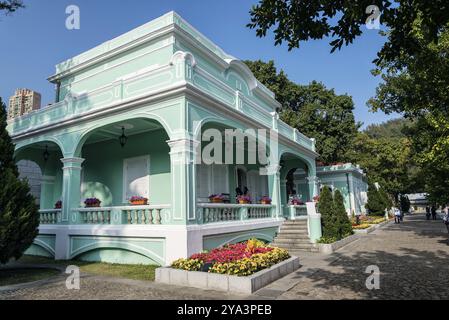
(295, 222)
(292, 244)
(294, 230)
(294, 238)
(294, 233)
(283, 227)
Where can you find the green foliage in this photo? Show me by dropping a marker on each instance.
(343, 224)
(385, 198)
(326, 209)
(313, 109)
(404, 203)
(10, 5)
(416, 85)
(343, 21)
(19, 217)
(327, 240)
(386, 161)
(390, 129)
(376, 203)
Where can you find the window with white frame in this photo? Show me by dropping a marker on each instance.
(257, 185)
(211, 179)
(136, 177)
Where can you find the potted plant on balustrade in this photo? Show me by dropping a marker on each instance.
(138, 201)
(265, 200)
(58, 204)
(216, 198)
(296, 202)
(244, 199)
(92, 202)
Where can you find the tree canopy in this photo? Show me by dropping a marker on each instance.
(313, 109)
(295, 21)
(10, 5)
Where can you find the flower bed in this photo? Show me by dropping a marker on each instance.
(361, 226)
(241, 259)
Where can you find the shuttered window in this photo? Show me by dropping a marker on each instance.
(257, 185)
(211, 179)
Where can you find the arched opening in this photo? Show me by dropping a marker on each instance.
(40, 163)
(126, 159)
(296, 185)
(229, 163)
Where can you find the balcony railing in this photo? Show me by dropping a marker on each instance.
(298, 211)
(142, 215)
(49, 216)
(225, 212)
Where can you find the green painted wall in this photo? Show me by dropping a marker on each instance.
(266, 234)
(116, 256)
(150, 54)
(103, 167)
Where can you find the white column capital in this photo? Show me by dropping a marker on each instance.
(178, 146)
(72, 163)
(313, 179)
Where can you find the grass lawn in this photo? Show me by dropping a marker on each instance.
(15, 276)
(130, 271)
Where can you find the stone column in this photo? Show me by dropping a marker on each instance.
(71, 186)
(71, 198)
(314, 222)
(313, 185)
(183, 204)
(274, 184)
(182, 153)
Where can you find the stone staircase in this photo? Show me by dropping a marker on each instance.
(294, 237)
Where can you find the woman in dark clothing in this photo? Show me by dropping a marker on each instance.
(428, 212)
(434, 212)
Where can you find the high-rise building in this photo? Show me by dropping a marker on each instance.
(23, 102)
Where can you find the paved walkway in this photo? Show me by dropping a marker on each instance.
(413, 259)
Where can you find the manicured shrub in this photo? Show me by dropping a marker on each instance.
(19, 216)
(343, 224)
(326, 209)
(376, 203)
(404, 203)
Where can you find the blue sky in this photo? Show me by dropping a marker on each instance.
(34, 40)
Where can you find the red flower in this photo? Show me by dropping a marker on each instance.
(229, 253)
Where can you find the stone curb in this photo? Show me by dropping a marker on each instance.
(227, 283)
(328, 248)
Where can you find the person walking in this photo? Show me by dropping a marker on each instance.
(434, 212)
(397, 215)
(446, 217)
(428, 212)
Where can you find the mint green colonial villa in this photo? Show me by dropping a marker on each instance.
(160, 86)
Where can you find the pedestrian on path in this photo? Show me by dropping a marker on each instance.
(446, 217)
(434, 212)
(428, 212)
(397, 215)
